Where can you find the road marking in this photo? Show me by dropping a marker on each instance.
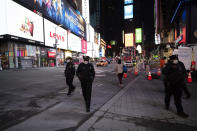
(100, 75)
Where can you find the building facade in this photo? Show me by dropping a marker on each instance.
(40, 33)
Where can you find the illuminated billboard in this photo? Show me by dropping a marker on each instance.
(128, 2)
(86, 11)
(128, 39)
(83, 46)
(138, 35)
(53, 32)
(19, 21)
(58, 11)
(128, 11)
(74, 42)
(112, 42)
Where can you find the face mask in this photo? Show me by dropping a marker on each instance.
(68, 60)
(86, 62)
(175, 61)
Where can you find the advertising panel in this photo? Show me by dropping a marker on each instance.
(128, 2)
(138, 35)
(74, 42)
(112, 42)
(23, 23)
(83, 46)
(128, 11)
(185, 56)
(91, 31)
(128, 39)
(59, 11)
(52, 32)
(3, 22)
(85, 11)
(96, 38)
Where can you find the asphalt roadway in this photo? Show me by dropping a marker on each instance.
(27, 93)
(39, 103)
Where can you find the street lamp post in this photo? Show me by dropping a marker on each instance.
(120, 52)
(56, 59)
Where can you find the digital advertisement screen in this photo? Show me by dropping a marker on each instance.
(128, 11)
(138, 35)
(74, 42)
(129, 40)
(52, 32)
(22, 22)
(128, 2)
(83, 46)
(112, 42)
(58, 11)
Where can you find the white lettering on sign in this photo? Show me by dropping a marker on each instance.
(85, 10)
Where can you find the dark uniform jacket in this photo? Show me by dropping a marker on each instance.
(70, 70)
(174, 73)
(85, 72)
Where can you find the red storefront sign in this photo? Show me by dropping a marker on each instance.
(51, 54)
(183, 35)
(182, 38)
(83, 46)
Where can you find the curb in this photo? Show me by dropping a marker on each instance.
(87, 124)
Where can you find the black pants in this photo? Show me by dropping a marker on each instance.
(120, 75)
(87, 91)
(69, 82)
(186, 91)
(177, 93)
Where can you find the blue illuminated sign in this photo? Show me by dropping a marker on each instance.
(128, 2)
(128, 11)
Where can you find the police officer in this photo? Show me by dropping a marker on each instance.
(174, 83)
(69, 74)
(86, 74)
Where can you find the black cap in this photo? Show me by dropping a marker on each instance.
(86, 58)
(69, 58)
(173, 57)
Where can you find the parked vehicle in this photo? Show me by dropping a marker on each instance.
(101, 63)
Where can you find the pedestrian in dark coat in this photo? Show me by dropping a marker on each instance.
(69, 74)
(86, 74)
(119, 71)
(174, 83)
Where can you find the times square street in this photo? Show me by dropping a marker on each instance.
(36, 100)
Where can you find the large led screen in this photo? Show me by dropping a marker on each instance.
(74, 42)
(128, 2)
(138, 35)
(83, 46)
(58, 11)
(54, 32)
(129, 40)
(22, 22)
(128, 11)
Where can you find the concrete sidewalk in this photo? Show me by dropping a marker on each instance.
(140, 107)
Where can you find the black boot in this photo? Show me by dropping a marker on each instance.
(69, 93)
(87, 109)
(183, 114)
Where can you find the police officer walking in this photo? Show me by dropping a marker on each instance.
(69, 74)
(174, 73)
(86, 74)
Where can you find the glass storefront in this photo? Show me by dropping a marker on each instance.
(22, 55)
(61, 58)
(17, 55)
(27, 56)
(4, 55)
